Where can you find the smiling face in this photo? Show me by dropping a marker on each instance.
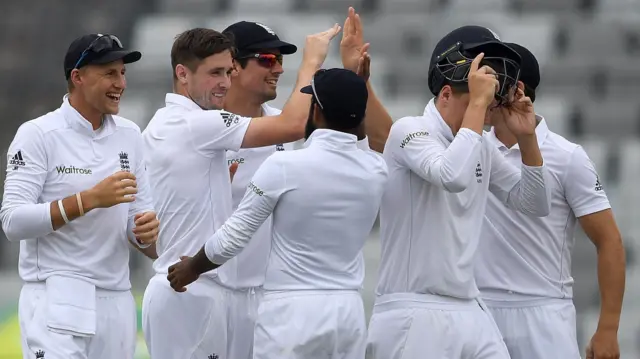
(208, 83)
(260, 74)
(101, 86)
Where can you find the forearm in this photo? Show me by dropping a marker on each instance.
(611, 278)
(148, 251)
(531, 195)
(202, 264)
(529, 150)
(453, 169)
(27, 221)
(474, 117)
(377, 121)
(296, 110)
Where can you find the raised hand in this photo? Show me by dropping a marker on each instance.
(483, 82)
(521, 118)
(352, 46)
(316, 46)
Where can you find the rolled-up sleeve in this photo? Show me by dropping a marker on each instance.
(22, 216)
(450, 168)
(259, 201)
(527, 190)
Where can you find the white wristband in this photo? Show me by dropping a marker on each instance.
(62, 212)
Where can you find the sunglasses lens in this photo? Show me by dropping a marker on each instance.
(269, 60)
(106, 43)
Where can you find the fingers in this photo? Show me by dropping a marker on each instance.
(332, 32)
(365, 48)
(142, 218)
(475, 64)
(147, 229)
(346, 28)
(521, 85)
(123, 175)
(126, 191)
(125, 183)
(232, 170)
(357, 25)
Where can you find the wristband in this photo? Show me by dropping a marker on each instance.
(62, 212)
(80, 207)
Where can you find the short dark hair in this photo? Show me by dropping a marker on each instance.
(195, 45)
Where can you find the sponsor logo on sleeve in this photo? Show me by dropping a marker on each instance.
(255, 189)
(479, 173)
(229, 118)
(280, 147)
(411, 136)
(17, 161)
(598, 186)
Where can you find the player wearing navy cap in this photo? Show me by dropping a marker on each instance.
(324, 200)
(75, 195)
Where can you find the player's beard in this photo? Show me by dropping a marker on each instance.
(310, 127)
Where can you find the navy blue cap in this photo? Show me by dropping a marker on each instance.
(105, 49)
(529, 70)
(251, 36)
(342, 96)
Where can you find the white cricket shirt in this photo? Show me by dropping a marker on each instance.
(433, 206)
(58, 155)
(185, 149)
(523, 257)
(324, 199)
(249, 269)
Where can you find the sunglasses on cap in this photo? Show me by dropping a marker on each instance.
(266, 60)
(100, 44)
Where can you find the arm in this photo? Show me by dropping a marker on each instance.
(589, 202)
(527, 190)
(450, 168)
(289, 126)
(148, 251)
(377, 121)
(22, 216)
(262, 195)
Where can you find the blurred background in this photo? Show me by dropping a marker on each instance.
(589, 51)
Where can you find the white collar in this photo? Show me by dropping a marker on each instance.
(432, 111)
(332, 139)
(82, 125)
(182, 101)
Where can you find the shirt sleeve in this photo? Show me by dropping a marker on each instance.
(450, 168)
(211, 131)
(582, 186)
(22, 216)
(527, 189)
(261, 197)
(144, 199)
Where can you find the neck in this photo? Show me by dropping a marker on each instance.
(86, 111)
(240, 104)
(447, 119)
(504, 135)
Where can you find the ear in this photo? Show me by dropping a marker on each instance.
(445, 94)
(181, 73)
(236, 68)
(75, 77)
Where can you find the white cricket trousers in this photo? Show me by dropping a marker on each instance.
(324, 324)
(422, 326)
(242, 312)
(538, 329)
(116, 327)
(189, 325)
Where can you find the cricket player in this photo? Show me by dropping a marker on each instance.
(187, 142)
(75, 196)
(258, 62)
(441, 171)
(324, 200)
(524, 265)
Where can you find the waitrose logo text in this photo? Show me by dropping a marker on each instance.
(72, 170)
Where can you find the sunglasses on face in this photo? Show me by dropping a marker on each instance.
(102, 43)
(266, 60)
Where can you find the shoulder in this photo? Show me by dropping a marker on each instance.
(46, 123)
(559, 146)
(408, 128)
(125, 124)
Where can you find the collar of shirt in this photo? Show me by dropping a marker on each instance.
(432, 112)
(332, 139)
(82, 125)
(174, 99)
(542, 130)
